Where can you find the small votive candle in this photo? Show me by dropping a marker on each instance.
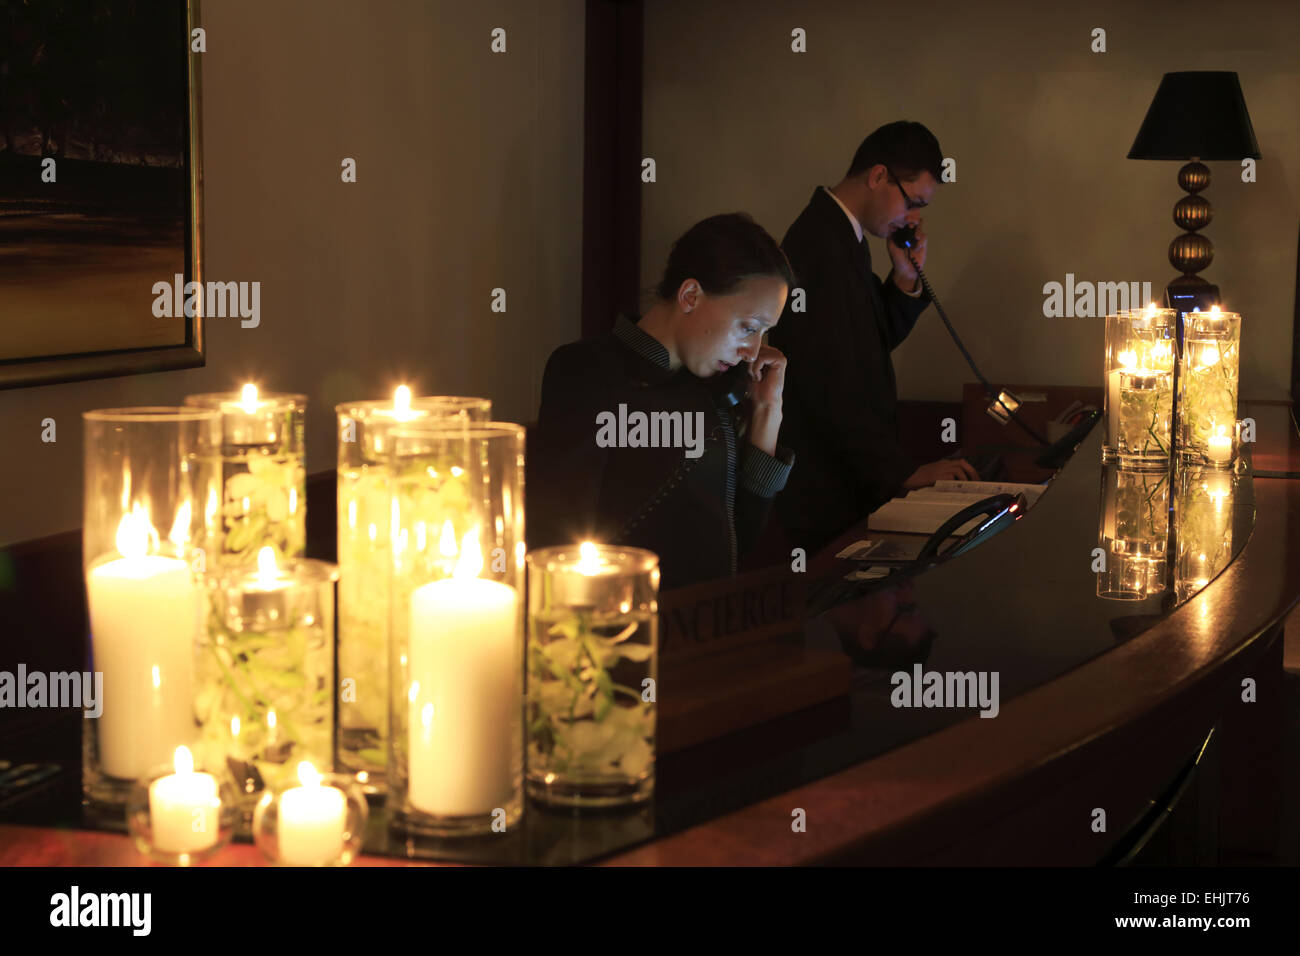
(184, 808)
(319, 823)
(311, 821)
(1219, 448)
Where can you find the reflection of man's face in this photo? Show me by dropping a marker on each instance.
(886, 626)
(890, 209)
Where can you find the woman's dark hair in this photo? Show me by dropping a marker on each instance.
(720, 253)
(905, 149)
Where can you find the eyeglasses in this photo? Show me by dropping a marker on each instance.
(908, 201)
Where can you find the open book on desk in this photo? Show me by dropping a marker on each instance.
(924, 510)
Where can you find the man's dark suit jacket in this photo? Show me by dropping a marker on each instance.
(697, 514)
(840, 395)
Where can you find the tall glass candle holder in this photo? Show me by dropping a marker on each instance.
(265, 675)
(1134, 533)
(148, 472)
(263, 499)
(592, 668)
(1207, 384)
(365, 558)
(456, 619)
(1146, 408)
(1202, 525)
(1141, 351)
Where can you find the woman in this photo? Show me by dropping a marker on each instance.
(639, 441)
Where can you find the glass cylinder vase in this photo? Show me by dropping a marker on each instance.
(456, 629)
(1134, 533)
(148, 472)
(364, 517)
(263, 499)
(1207, 385)
(265, 685)
(1141, 346)
(592, 671)
(1202, 525)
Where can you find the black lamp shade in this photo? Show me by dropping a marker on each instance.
(1199, 114)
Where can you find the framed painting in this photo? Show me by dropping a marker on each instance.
(100, 187)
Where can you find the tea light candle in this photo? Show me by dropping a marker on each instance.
(1219, 448)
(184, 808)
(311, 821)
(465, 691)
(144, 620)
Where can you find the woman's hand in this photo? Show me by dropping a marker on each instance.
(767, 371)
(768, 374)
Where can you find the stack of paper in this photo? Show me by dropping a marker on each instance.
(925, 510)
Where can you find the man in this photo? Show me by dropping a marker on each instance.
(840, 395)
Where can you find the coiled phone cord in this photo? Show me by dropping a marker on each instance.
(988, 389)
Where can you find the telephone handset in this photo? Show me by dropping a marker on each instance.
(732, 386)
(1001, 511)
(904, 237)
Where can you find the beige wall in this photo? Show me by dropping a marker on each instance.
(1039, 126)
(469, 178)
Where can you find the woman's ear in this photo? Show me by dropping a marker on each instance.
(688, 296)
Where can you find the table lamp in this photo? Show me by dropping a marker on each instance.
(1195, 115)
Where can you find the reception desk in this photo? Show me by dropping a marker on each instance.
(1147, 729)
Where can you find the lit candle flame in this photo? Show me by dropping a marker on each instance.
(1151, 310)
(135, 533)
(1128, 359)
(183, 760)
(267, 571)
(248, 398)
(470, 562)
(588, 558)
(308, 776)
(402, 403)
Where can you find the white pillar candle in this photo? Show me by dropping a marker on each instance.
(311, 820)
(144, 622)
(184, 808)
(465, 698)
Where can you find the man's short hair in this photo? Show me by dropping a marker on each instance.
(905, 149)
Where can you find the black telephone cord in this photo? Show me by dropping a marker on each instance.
(988, 389)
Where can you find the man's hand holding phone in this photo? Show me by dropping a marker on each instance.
(904, 274)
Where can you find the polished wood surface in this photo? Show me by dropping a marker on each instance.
(1021, 788)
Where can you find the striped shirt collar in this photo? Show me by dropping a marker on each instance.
(641, 342)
